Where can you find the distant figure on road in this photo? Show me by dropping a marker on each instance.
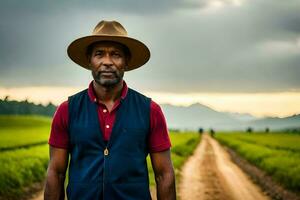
(212, 133)
(109, 129)
(200, 131)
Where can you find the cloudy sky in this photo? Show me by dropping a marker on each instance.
(234, 55)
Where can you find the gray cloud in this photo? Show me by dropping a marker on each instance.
(193, 50)
(130, 6)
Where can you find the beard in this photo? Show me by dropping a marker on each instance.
(108, 81)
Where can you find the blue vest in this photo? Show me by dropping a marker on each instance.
(112, 170)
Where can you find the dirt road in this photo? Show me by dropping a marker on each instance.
(38, 196)
(210, 175)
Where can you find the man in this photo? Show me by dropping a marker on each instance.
(109, 129)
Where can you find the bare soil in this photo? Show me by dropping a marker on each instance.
(36, 192)
(211, 175)
(38, 196)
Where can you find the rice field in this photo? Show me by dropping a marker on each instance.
(22, 131)
(183, 145)
(278, 154)
(21, 168)
(24, 153)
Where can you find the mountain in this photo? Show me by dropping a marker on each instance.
(197, 115)
(243, 116)
(276, 122)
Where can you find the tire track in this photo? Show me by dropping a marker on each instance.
(210, 175)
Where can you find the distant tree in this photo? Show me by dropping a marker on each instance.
(50, 109)
(12, 107)
(295, 130)
(200, 130)
(174, 130)
(249, 130)
(6, 98)
(267, 130)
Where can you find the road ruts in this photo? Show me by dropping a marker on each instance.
(210, 175)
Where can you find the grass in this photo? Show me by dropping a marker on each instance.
(18, 131)
(280, 140)
(183, 145)
(21, 167)
(277, 154)
(23, 121)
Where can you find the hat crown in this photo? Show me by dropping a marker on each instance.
(111, 31)
(109, 28)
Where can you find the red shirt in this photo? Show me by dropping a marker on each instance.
(158, 139)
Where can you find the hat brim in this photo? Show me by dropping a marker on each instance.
(140, 53)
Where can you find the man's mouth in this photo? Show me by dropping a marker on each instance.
(107, 73)
(101, 72)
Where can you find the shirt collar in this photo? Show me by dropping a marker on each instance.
(93, 97)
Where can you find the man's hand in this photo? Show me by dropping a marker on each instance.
(54, 189)
(164, 175)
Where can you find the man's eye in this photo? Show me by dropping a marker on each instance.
(116, 54)
(99, 53)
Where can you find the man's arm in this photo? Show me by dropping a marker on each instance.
(164, 175)
(54, 189)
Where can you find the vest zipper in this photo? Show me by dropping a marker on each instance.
(105, 153)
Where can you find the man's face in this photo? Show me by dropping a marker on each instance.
(107, 63)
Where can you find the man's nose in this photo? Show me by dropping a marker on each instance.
(107, 60)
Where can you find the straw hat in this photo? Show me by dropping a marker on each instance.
(109, 31)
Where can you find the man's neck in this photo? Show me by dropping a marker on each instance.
(108, 94)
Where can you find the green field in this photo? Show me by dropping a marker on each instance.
(183, 145)
(21, 167)
(278, 154)
(19, 131)
(24, 152)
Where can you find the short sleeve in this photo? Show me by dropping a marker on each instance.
(59, 136)
(159, 139)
